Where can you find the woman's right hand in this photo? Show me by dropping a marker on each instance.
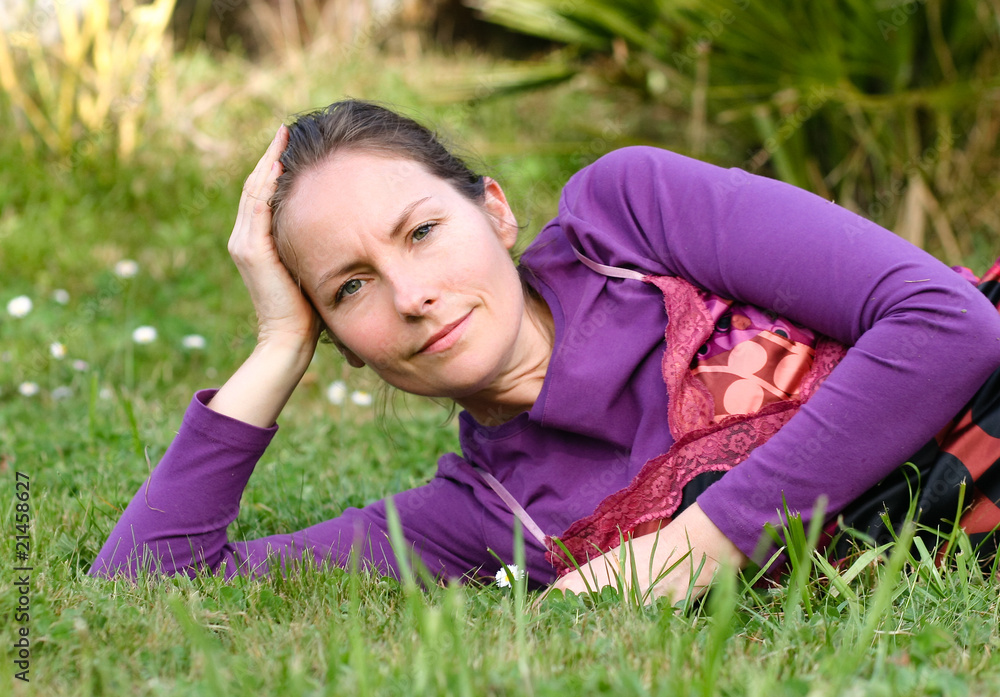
(284, 316)
(287, 325)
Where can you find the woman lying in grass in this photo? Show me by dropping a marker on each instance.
(586, 413)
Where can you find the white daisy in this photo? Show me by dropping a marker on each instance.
(144, 335)
(361, 398)
(80, 366)
(194, 342)
(19, 306)
(60, 295)
(28, 389)
(58, 350)
(62, 392)
(503, 579)
(336, 392)
(126, 268)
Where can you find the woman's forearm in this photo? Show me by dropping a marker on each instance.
(176, 522)
(260, 388)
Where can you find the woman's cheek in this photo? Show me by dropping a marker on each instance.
(380, 345)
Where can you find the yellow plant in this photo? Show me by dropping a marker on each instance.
(91, 80)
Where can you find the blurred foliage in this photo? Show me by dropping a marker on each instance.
(888, 107)
(89, 77)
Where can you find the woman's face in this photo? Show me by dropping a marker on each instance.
(411, 277)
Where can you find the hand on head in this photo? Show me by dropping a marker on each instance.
(284, 315)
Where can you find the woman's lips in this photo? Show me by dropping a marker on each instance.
(446, 338)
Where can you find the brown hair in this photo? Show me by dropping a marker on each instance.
(356, 125)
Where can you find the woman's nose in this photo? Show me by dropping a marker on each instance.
(413, 294)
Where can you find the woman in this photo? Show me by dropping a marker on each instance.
(357, 221)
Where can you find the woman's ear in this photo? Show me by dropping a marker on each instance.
(497, 207)
(352, 358)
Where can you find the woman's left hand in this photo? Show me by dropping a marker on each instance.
(691, 533)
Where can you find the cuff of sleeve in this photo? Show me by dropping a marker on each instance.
(224, 429)
(734, 522)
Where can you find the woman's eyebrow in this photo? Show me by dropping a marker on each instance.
(398, 228)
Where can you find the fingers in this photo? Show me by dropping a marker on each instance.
(668, 576)
(253, 219)
(259, 186)
(265, 164)
(592, 576)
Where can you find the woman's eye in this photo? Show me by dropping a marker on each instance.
(349, 288)
(421, 231)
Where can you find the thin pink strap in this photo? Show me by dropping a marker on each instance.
(522, 515)
(612, 271)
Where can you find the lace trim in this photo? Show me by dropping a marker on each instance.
(700, 444)
(657, 491)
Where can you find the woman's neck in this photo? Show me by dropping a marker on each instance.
(518, 388)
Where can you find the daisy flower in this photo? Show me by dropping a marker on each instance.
(126, 268)
(19, 306)
(61, 296)
(144, 335)
(62, 392)
(503, 579)
(336, 393)
(28, 389)
(194, 342)
(58, 350)
(361, 398)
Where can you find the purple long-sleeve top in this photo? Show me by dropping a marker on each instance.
(922, 341)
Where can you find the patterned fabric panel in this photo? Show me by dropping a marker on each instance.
(753, 358)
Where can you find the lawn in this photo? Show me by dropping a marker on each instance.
(111, 249)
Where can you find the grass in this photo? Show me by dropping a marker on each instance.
(893, 624)
(335, 632)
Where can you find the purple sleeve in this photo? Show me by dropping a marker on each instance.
(177, 521)
(923, 339)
